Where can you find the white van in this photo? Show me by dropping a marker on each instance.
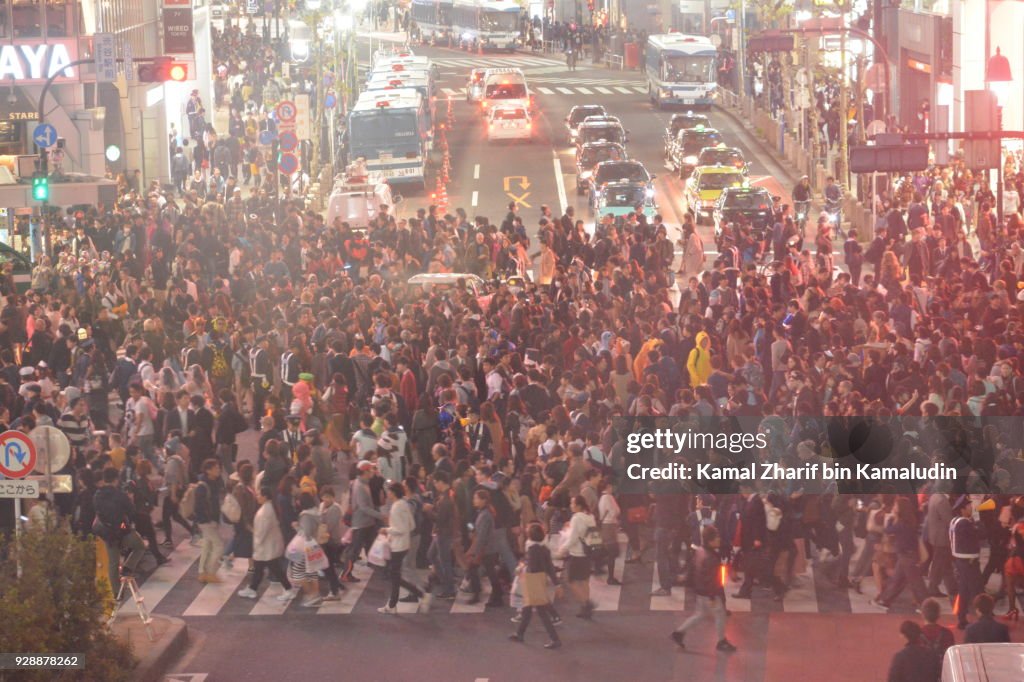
(983, 663)
(505, 86)
(358, 203)
(509, 122)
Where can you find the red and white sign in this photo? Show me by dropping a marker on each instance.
(286, 112)
(17, 454)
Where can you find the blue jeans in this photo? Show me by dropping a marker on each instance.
(440, 557)
(505, 554)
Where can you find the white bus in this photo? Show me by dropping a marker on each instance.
(390, 130)
(681, 69)
(471, 24)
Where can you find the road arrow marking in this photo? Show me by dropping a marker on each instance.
(519, 199)
(524, 182)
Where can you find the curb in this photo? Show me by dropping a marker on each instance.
(760, 143)
(158, 656)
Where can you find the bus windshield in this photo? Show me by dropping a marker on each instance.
(506, 91)
(678, 68)
(505, 22)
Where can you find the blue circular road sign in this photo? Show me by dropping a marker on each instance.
(266, 137)
(288, 164)
(288, 140)
(330, 101)
(44, 135)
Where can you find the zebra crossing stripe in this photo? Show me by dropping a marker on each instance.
(583, 91)
(675, 601)
(269, 605)
(449, 91)
(459, 606)
(161, 581)
(802, 598)
(564, 91)
(624, 91)
(214, 596)
(545, 91)
(603, 91)
(640, 89)
(606, 597)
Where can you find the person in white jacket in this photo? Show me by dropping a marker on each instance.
(401, 524)
(578, 566)
(268, 548)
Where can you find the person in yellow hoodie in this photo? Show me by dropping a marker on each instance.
(698, 364)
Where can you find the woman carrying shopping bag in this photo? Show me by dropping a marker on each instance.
(401, 524)
(300, 571)
(268, 548)
(534, 579)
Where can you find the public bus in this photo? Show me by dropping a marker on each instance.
(390, 129)
(471, 24)
(681, 69)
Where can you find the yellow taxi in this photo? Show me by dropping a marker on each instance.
(704, 187)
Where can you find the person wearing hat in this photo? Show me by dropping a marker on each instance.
(965, 546)
(261, 375)
(290, 370)
(365, 517)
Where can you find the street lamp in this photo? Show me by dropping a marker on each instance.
(998, 77)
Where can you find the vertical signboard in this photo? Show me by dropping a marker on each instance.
(302, 128)
(178, 37)
(104, 51)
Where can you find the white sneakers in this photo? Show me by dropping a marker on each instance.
(313, 603)
(388, 610)
(248, 593)
(288, 595)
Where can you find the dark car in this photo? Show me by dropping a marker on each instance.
(722, 156)
(600, 128)
(617, 171)
(591, 154)
(578, 114)
(684, 152)
(750, 205)
(681, 122)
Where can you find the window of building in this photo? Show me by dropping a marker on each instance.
(59, 18)
(27, 18)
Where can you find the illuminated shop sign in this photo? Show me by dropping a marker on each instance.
(37, 61)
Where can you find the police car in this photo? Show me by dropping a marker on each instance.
(705, 186)
(509, 122)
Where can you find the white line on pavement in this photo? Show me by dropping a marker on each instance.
(448, 91)
(473, 200)
(351, 594)
(214, 596)
(476, 172)
(584, 91)
(564, 91)
(559, 182)
(603, 91)
(640, 89)
(624, 91)
(545, 91)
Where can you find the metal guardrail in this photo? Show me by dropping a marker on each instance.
(613, 61)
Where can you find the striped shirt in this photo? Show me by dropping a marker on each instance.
(75, 428)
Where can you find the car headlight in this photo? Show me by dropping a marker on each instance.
(666, 93)
(649, 192)
(586, 175)
(691, 160)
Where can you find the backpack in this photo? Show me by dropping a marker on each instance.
(219, 365)
(416, 506)
(230, 508)
(187, 506)
(773, 517)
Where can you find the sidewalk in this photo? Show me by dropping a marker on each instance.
(170, 638)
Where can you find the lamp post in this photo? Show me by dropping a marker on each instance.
(998, 79)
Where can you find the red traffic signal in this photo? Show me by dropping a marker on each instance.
(161, 70)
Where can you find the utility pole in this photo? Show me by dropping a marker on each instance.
(844, 105)
(741, 56)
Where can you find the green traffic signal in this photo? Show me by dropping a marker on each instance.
(40, 188)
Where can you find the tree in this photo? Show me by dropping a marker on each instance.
(56, 606)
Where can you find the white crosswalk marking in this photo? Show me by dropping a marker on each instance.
(640, 89)
(624, 91)
(214, 596)
(564, 91)
(584, 91)
(159, 584)
(603, 91)
(545, 91)
(605, 596)
(801, 598)
(675, 601)
(268, 604)
(350, 597)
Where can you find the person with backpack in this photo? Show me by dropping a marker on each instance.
(207, 515)
(575, 550)
(176, 481)
(935, 637)
(113, 524)
(705, 572)
(537, 570)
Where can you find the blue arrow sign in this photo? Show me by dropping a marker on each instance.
(44, 135)
(330, 101)
(14, 449)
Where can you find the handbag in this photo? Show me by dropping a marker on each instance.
(637, 515)
(322, 534)
(230, 508)
(515, 599)
(296, 550)
(316, 558)
(380, 552)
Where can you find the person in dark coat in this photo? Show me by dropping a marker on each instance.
(913, 663)
(986, 629)
(200, 435)
(753, 537)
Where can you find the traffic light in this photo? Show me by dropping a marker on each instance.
(40, 188)
(161, 70)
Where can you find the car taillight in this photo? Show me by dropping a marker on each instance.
(410, 155)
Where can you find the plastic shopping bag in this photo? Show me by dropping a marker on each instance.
(316, 558)
(515, 599)
(296, 550)
(380, 552)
